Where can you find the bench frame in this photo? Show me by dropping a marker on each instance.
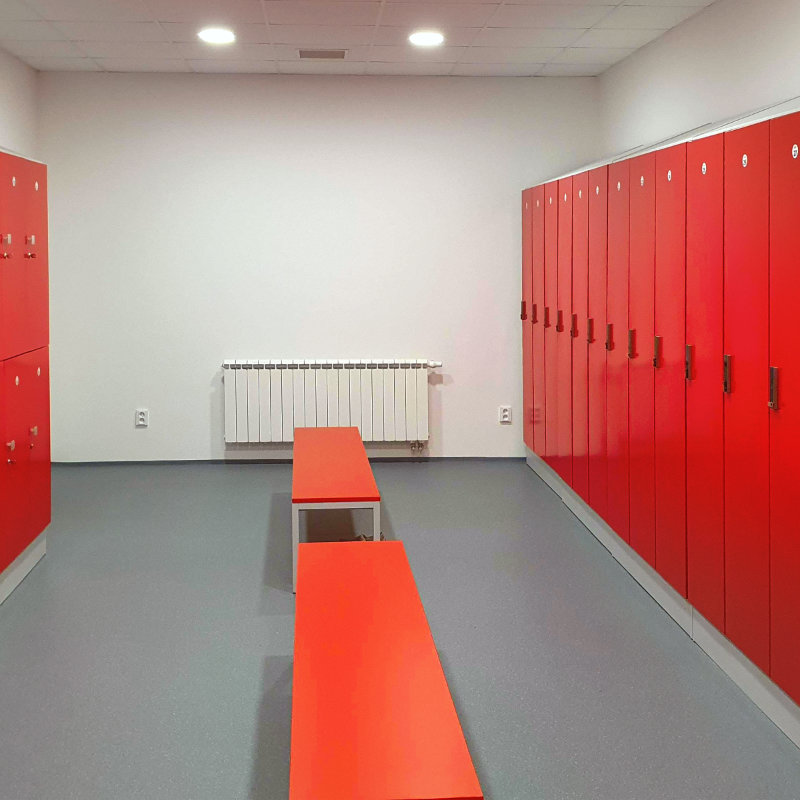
(340, 504)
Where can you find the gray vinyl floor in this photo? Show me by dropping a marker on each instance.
(150, 654)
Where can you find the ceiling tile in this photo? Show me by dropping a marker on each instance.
(549, 16)
(497, 70)
(697, 3)
(510, 55)
(323, 67)
(647, 16)
(206, 11)
(435, 15)
(411, 53)
(43, 50)
(455, 37)
(609, 37)
(289, 52)
(112, 31)
(160, 50)
(92, 10)
(593, 55)
(198, 51)
(297, 12)
(20, 31)
(186, 32)
(555, 70)
(63, 64)
(143, 65)
(526, 37)
(404, 68)
(213, 65)
(322, 35)
(16, 9)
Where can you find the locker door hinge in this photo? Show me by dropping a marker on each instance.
(773, 388)
(547, 316)
(632, 343)
(523, 314)
(688, 372)
(534, 313)
(559, 320)
(726, 374)
(657, 352)
(573, 330)
(609, 336)
(590, 330)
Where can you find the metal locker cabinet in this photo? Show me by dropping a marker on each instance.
(13, 307)
(564, 341)
(595, 336)
(746, 416)
(536, 318)
(615, 338)
(640, 346)
(525, 313)
(669, 361)
(784, 416)
(549, 321)
(35, 370)
(705, 525)
(580, 348)
(33, 247)
(15, 480)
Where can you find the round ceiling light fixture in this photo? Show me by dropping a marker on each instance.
(426, 38)
(217, 35)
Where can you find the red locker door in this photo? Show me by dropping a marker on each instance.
(580, 354)
(35, 371)
(670, 362)
(536, 316)
(595, 329)
(618, 516)
(34, 250)
(550, 334)
(640, 352)
(746, 343)
(705, 531)
(527, 328)
(14, 318)
(14, 477)
(784, 425)
(563, 339)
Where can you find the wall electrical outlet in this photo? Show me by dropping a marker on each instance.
(142, 417)
(504, 415)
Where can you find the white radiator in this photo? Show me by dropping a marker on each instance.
(386, 399)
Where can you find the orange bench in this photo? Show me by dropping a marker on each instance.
(372, 716)
(331, 470)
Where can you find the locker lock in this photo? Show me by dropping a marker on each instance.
(704, 168)
(597, 190)
(31, 239)
(669, 175)
(744, 160)
(5, 238)
(35, 430)
(12, 445)
(29, 255)
(795, 151)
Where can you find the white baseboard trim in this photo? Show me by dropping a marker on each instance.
(766, 695)
(15, 573)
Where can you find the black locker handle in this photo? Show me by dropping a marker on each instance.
(632, 343)
(773, 388)
(523, 313)
(534, 317)
(657, 352)
(573, 331)
(547, 316)
(726, 374)
(609, 336)
(590, 330)
(559, 320)
(689, 372)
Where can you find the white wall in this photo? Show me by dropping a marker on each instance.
(735, 57)
(18, 120)
(197, 217)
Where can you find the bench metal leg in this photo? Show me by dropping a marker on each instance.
(376, 522)
(295, 542)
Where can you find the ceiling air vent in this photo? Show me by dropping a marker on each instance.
(323, 54)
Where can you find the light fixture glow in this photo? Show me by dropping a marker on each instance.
(217, 35)
(426, 38)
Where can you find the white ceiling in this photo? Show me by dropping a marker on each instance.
(525, 37)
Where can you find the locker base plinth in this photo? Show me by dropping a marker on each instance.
(766, 695)
(16, 572)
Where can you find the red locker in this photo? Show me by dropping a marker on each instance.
(641, 397)
(670, 362)
(580, 354)
(784, 418)
(564, 342)
(746, 350)
(525, 313)
(34, 369)
(14, 316)
(536, 315)
(704, 428)
(550, 318)
(32, 182)
(618, 516)
(595, 328)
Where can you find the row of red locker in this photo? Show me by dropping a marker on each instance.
(25, 430)
(660, 297)
(24, 307)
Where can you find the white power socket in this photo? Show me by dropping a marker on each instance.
(142, 417)
(504, 415)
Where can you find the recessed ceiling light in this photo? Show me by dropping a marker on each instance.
(217, 35)
(426, 38)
